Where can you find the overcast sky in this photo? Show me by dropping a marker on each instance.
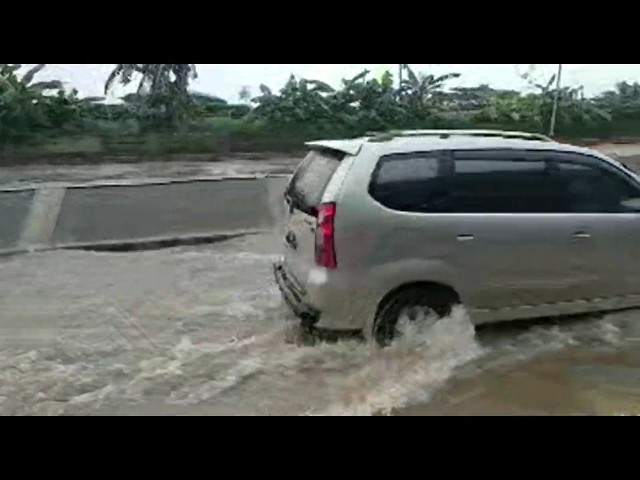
(226, 80)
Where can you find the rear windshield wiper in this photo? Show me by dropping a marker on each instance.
(292, 200)
(296, 203)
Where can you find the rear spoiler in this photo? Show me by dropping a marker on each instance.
(349, 147)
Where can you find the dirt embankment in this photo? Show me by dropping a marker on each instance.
(82, 159)
(627, 153)
(618, 149)
(625, 147)
(24, 175)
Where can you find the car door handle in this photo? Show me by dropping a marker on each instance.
(581, 235)
(465, 238)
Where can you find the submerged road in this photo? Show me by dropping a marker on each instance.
(202, 330)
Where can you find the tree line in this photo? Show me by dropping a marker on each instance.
(32, 111)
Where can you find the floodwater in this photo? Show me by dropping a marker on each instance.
(202, 331)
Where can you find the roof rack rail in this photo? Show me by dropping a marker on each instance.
(385, 136)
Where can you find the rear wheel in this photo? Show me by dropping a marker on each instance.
(424, 304)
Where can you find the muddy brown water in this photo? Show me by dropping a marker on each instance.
(202, 331)
(572, 382)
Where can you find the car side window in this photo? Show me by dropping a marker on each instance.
(486, 183)
(593, 187)
(480, 181)
(408, 169)
(501, 181)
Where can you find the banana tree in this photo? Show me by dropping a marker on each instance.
(512, 108)
(157, 78)
(534, 110)
(623, 101)
(26, 105)
(166, 86)
(298, 102)
(420, 90)
(368, 104)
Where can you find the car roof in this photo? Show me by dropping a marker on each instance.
(389, 143)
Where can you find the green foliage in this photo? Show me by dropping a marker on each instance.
(162, 90)
(162, 116)
(245, 94)
(163, 79)
(421, 101)
(29, 109)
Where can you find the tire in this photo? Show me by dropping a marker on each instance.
(440, 300)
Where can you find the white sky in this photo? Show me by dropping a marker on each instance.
(225, 80)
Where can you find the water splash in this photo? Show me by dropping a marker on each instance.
(411, 369)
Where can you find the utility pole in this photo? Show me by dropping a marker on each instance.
(552, 129)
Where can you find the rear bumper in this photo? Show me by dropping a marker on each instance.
(293, 298)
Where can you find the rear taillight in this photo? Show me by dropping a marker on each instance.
(325, 233)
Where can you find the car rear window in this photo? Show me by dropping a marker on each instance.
(311, 179)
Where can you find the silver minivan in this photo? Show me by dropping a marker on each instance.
(509, 225)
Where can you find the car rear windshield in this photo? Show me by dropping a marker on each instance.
(311, 179)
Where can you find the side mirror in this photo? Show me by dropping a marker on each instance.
(632, 204)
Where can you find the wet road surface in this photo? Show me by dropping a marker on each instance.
(202, 331)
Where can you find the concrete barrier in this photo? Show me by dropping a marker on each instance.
(47, 216)
(14, 210)
(118, 213)
(64, 216)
